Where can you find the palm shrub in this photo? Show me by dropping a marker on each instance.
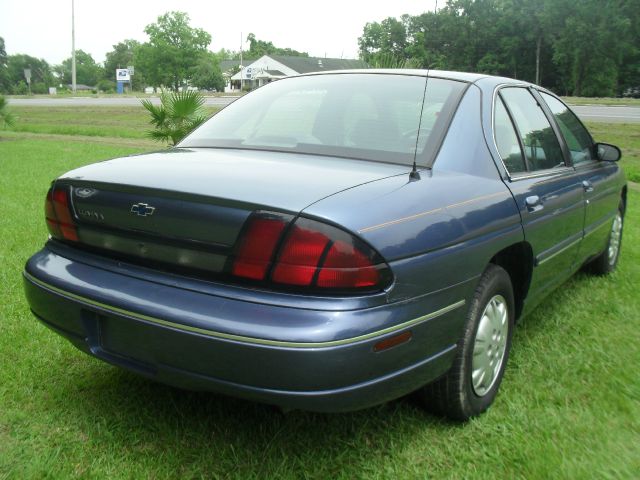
(6, 117)
(176, 116)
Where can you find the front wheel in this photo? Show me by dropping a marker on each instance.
(607, 261)
(472, 383)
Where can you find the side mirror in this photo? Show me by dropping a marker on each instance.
(607, 153)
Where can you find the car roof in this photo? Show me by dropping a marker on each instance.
(460, 76)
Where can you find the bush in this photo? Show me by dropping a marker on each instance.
(20, 88)
(106, 86)
(39, 88)
(6, 117)
(176, 116)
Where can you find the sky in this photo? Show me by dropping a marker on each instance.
(42, 28)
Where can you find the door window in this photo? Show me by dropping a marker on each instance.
(507, 140)
(577, 138)
(541, 146)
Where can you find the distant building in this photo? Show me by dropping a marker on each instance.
(80, 87)
(268, 68)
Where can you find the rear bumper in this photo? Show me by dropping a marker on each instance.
(324, 361)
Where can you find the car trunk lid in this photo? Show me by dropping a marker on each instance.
(186, 208)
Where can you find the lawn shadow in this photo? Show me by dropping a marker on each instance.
(136, 416)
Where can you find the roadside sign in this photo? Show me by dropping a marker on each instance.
(122, 75)
(27, 74)
(131, 70)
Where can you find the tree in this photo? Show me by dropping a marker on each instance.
(176, 116)
(88, 72)
(258, 48)
(585, 48)
(206, 74)
(629, 76)
(4, 74)
(6, 117)
(384, 40)
(173, 50)
(123, 55)
(590, 47)
(41, 76)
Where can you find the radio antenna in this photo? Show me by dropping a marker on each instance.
(414, 175)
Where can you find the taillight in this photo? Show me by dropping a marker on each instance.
(257, 245)
(307, 255)
(300, 256)
(58, 214)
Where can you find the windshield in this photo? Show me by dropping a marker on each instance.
(365, 116)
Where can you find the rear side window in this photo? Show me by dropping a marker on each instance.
(507, 140)
(541, 146)
(577, 138)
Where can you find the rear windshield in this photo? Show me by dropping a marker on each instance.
(365, 116)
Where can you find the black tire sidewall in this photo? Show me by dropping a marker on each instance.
(494, 281)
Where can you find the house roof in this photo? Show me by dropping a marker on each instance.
(317, 64)
(226, 65)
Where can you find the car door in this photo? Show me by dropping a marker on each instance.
(547, 190)
(601, 194)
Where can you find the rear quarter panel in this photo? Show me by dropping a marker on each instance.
(442, 230)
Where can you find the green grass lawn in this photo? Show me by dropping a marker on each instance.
(627, 137)
(568, 408)
(98, 121)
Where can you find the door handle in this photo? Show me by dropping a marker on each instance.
(533, 203)
(587, 185)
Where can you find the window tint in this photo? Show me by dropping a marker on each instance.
(507, 141)
(577, 138)
(366, 116)
(286, 117)
(541, 147)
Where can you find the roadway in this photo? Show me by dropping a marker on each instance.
(603, 113)
(588, 113)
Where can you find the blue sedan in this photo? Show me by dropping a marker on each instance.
(333, 241)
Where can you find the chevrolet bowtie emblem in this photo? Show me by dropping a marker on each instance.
(142, 209)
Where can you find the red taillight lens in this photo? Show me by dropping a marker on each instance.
(309, 254)
(257, 246)
(347, 267)
(50, 216)
(300, 256)
(58, 214)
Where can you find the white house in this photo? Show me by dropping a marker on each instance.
(272, 67)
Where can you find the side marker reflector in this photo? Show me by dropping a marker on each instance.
(394, 341)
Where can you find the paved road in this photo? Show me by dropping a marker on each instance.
(589, 113)
(601, 113)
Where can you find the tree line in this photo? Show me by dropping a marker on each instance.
(574, 47)
(176, 54)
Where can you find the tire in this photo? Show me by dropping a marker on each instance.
(460, 394)
(607, 261)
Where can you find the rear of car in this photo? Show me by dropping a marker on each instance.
(205, 267)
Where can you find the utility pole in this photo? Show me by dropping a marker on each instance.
(73, 47)
(241, 68)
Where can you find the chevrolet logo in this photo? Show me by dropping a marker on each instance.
(142, 209)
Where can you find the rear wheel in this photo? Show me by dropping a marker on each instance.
(471, 385)
(607, 261)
